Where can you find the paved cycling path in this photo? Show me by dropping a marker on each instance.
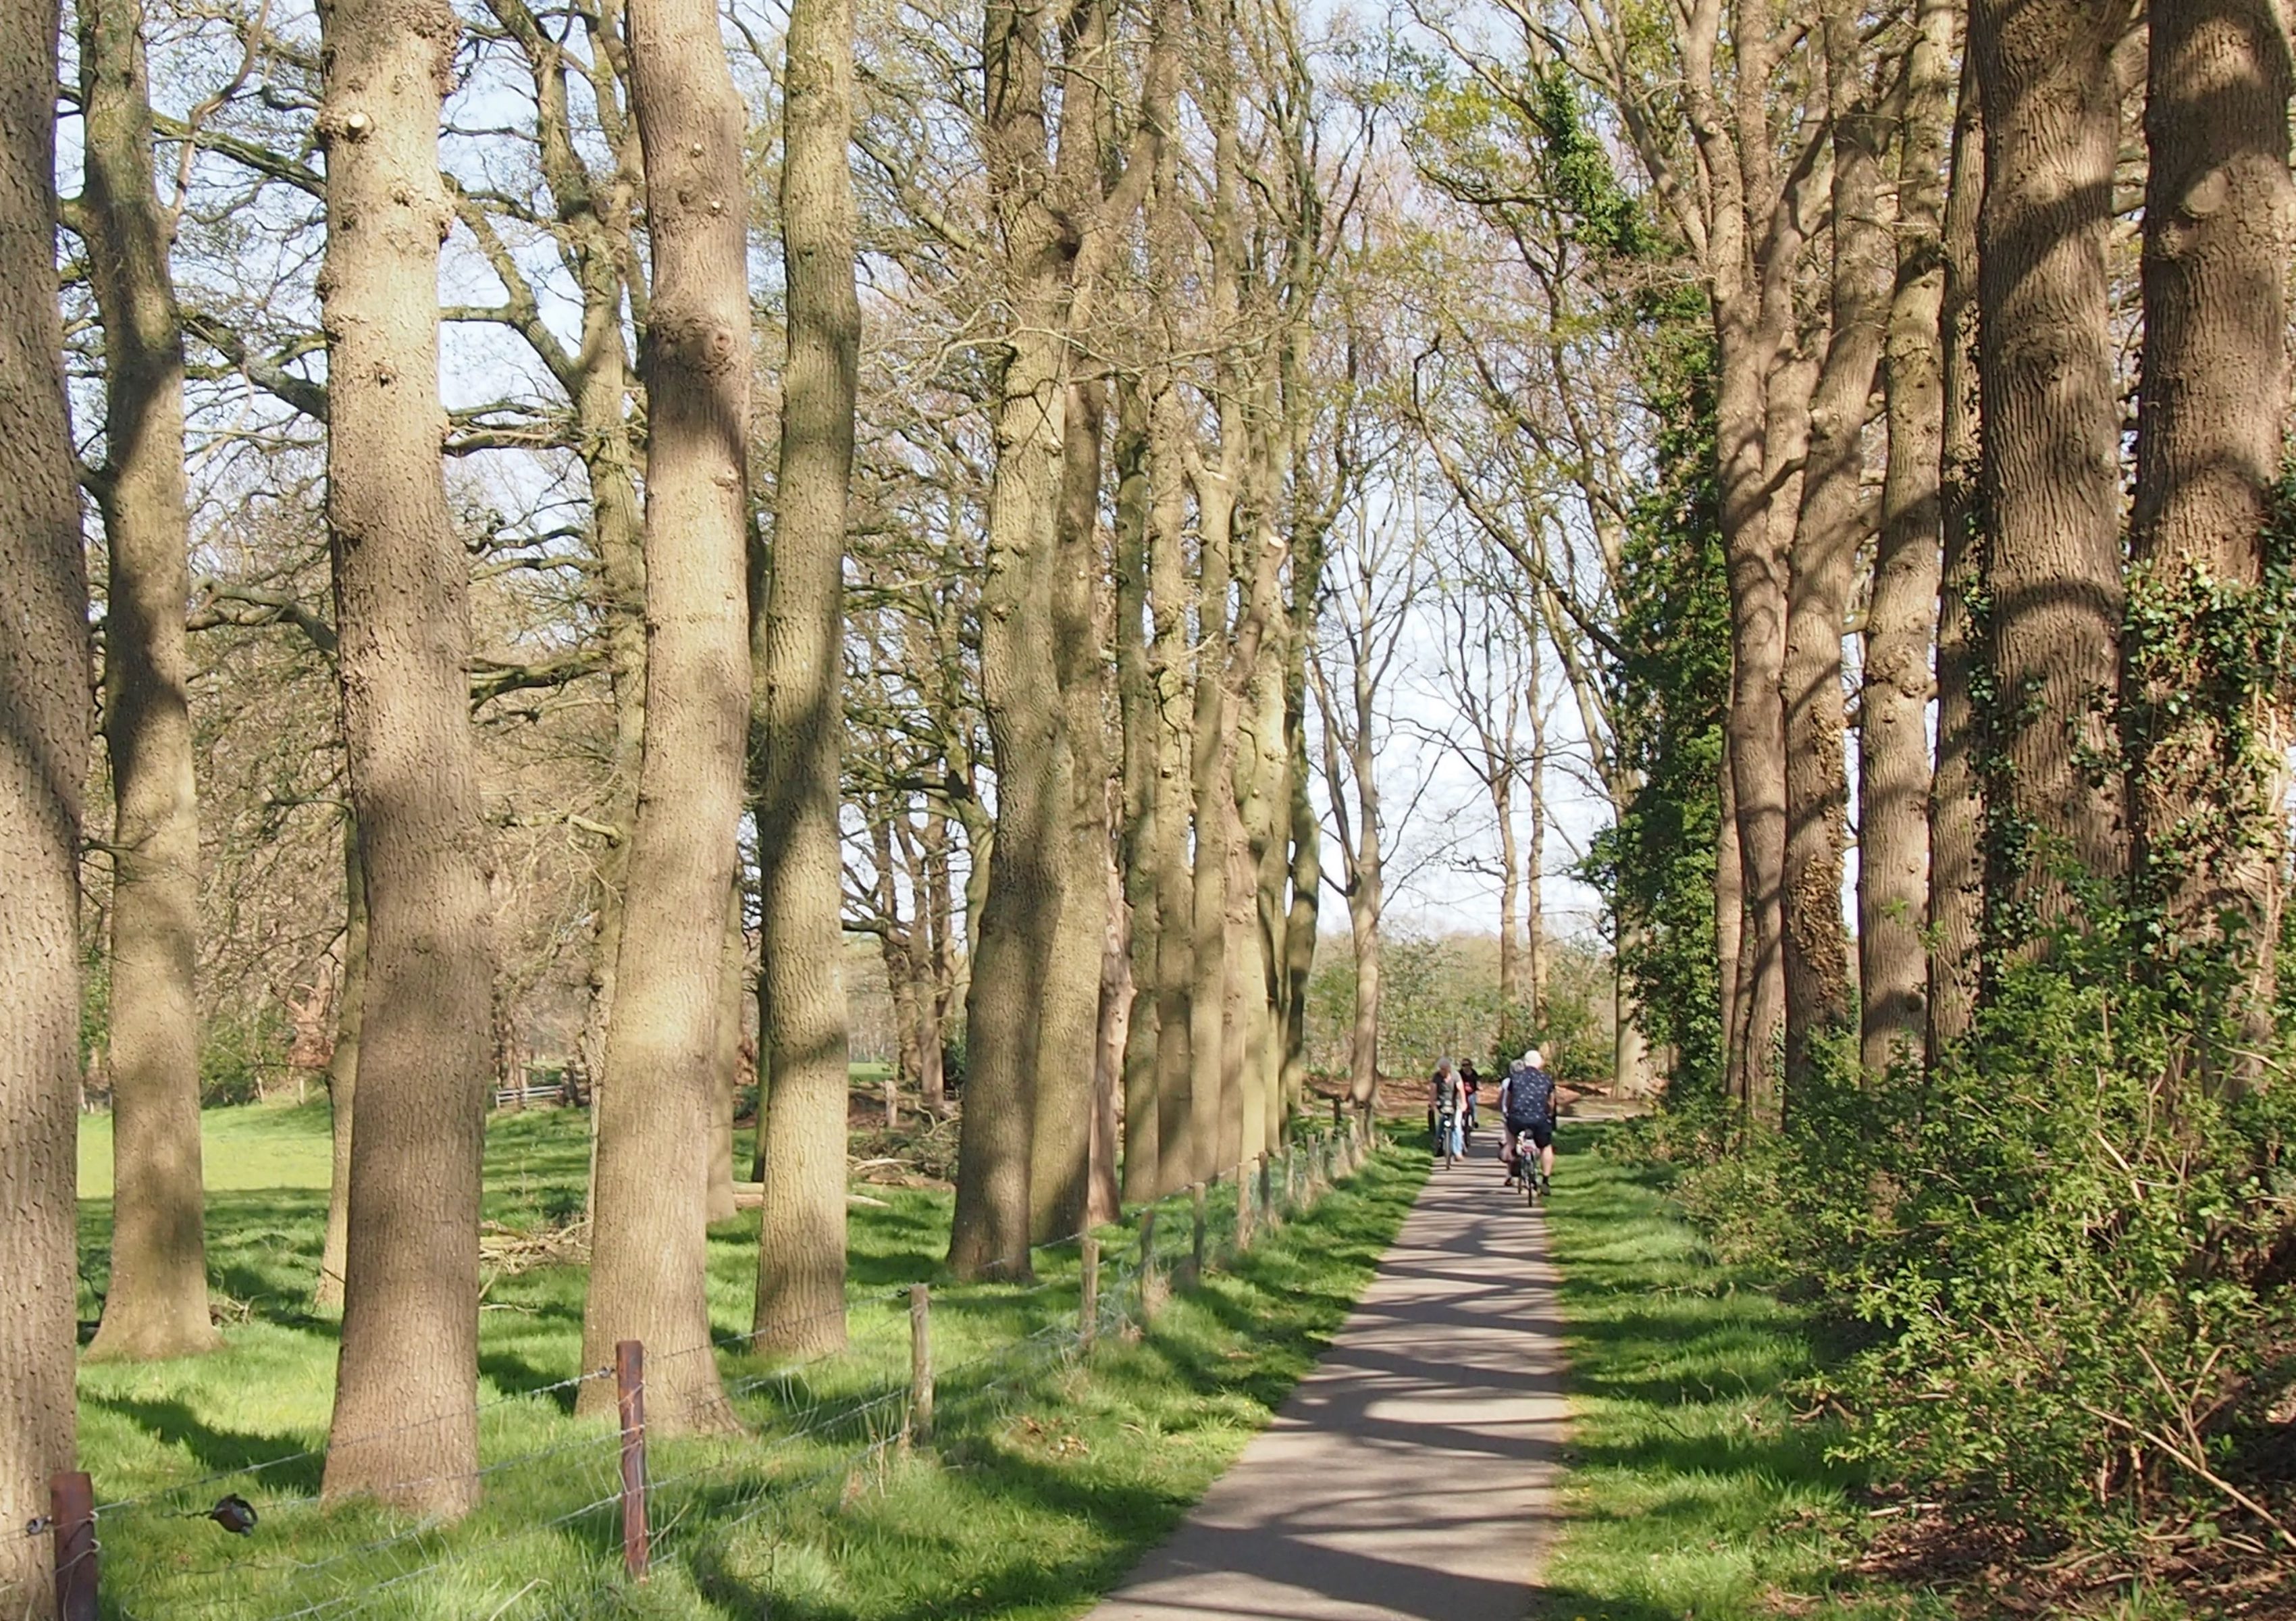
(1411, 1475)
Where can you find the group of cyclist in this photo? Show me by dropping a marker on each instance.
(1527, 1109)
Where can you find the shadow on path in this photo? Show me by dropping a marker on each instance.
(1411, 1475)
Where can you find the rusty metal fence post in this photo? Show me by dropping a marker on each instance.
(72, 1520)
(629, 1399)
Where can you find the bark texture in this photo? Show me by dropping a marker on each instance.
(342, 1075)
(1061, 1146)
(2208, 730)
(1018, 681)
(43, 675)
(1893, 768)
(1956, 861)
(647, 1278)
(802, 1242)
(2051, 553)
(157, 1303)
(725, 1066)
(1144, 748)
(407, 1374)
(1823, 564)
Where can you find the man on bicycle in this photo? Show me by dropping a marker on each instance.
(1444, 1105)
(1527, 1101)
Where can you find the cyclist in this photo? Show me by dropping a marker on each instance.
(1473, 1083)
(1444, 1107)
(1527, 1101)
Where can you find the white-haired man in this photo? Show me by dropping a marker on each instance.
(1527, 1103)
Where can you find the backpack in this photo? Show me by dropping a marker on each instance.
(1529, 1094)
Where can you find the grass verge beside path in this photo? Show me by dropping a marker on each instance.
(1046, 1478)
(1694, 1494)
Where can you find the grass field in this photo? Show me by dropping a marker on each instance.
(1695, 1490)
(1047, 1478)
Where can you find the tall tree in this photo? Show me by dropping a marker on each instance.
(1061, 1146)
(1893, 764)
(2051, 545)
(1018, 680)
(1956, 857)
(1823, 561)
(647, 1272)
(799, 639)
(43, 671)
(342, 1075)
(157, 1305)
(404, 1426)
(2209, 683)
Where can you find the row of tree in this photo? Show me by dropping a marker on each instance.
(1028, 679)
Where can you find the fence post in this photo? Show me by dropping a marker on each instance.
(1147, 1264)
(1088, 1304)
(1243, 1206)
(630, 1397)
(1267, 1190)
(71, 1519)
(1196, 1241)
(921, 1369)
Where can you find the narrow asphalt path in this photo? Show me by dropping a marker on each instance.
(1412, 1473)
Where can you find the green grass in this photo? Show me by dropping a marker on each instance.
(259, 1146)
(1695, 1491)
(1046, 1480)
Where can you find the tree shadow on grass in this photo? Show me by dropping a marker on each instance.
(173, 1423)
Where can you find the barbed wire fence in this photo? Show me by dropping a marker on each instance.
(805, 1428)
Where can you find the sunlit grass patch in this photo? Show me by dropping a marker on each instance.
(1695, 1490)
(1046, 1478)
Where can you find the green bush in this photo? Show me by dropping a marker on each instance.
(2060, 1266)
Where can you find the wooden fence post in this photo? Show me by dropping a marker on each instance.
(1267, 1190)
(71, 1518)
(1088, 1305)
(921, 1367)
(1243, 1206)
(1196, 1243)
(629, 1398)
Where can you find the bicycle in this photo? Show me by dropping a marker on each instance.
(1536, 1185)
(1447, 1137)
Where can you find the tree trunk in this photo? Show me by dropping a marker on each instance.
(1181, 1154)
(343, 1074)
(44, 670)
(927, 867)
(648, 1272)
(1500, 785)
(801, 1239)
(1212, 808)
(1061, 1132)
(1729, 921)
(1020, 917)
(2051, 562)
(157, 1305)
(1362, 931)
(1534, 861)
(1956, 898)
(1144, 751)
(407, 1374)
(1823, 564)
(1103, 1195)
(1893, 762)
(725, 1066)
(2207, 729)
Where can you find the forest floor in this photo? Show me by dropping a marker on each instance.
(1049, 1474)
